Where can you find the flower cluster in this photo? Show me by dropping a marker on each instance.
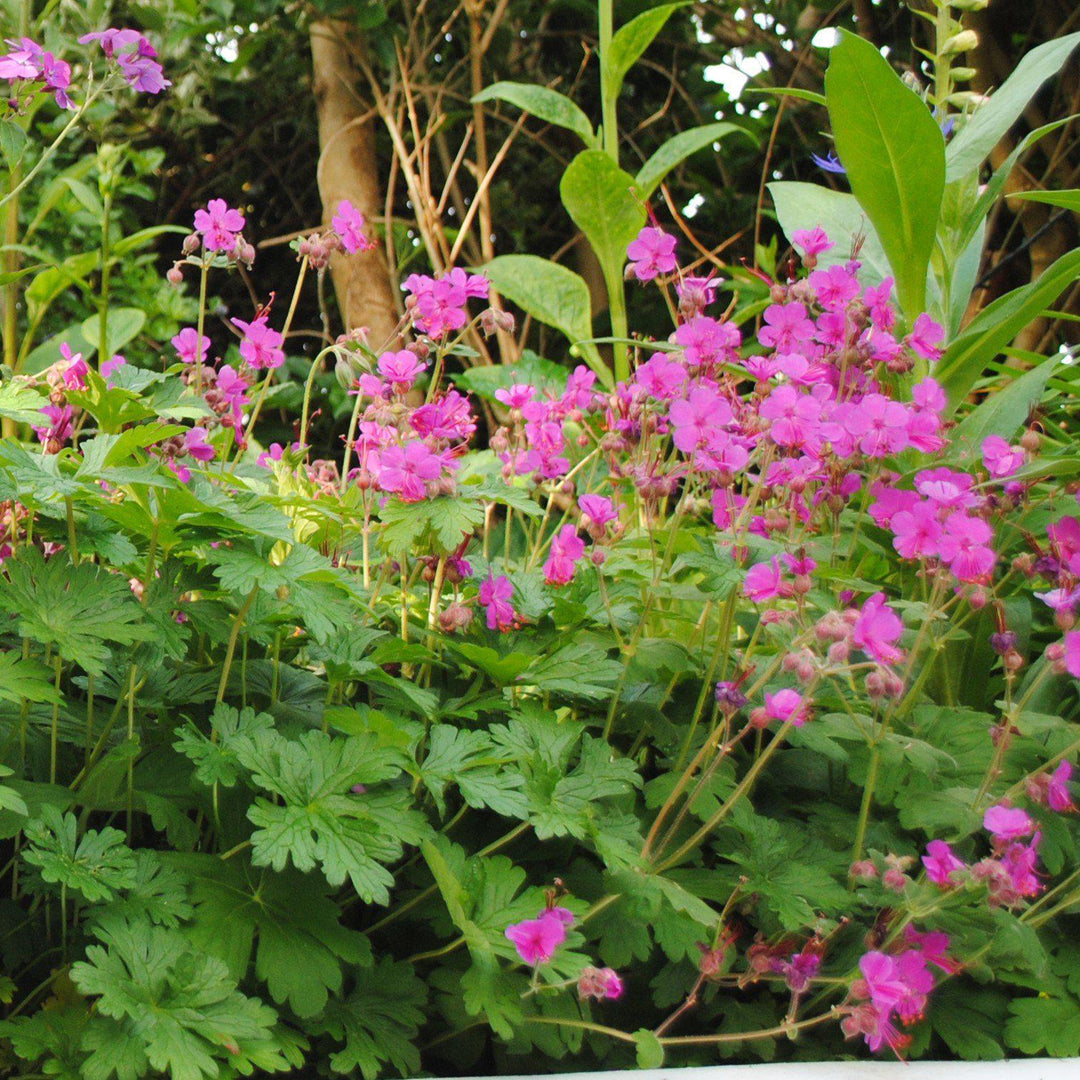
(29, 62)
(438, 304)
(135, 57)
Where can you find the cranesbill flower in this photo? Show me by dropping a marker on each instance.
(651, 254)
(219, 226)
(401, 369)
(405, 470)
(877, 629)
(941, 863)
(566, 549)
(598, 509)
(495, 597)
(537, 939)
(599, 983)
(926, 337)
(786, 327)
(260, 346)
(348, 223)
(516, 396)
(1052, 789)
(794, 417)
(1007, 823)
(835, 287)
(189, 347)
(787, 706)
(765, 581)
(1000, 458)
(76, 369)
(698, 418)
(933, 946)
(705, 340)
(812, 241)
(196, 445)
(963, 546)
(661, 378)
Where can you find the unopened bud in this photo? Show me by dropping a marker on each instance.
(191, 243)
(964, 41)
(963, 74)
(175, 276)
(1031, 441)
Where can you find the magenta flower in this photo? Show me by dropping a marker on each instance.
(926, 337)
(112, 40)
(698, 418)
(348, 223)
(1072, 653)
(219, 225)
(877, 630)
(941, 863)
(598, 509)
(599, 983)
(448, 418)
(812, 241)
(882, 313)
(537, 939)
(196, 445)
(1057, 792)
(405, 470)
(401, 369)
(1000, 458)
(765, 581)
(495, 597)
(963, 546)
(661, 378)
(705, 340)
(516, 396)
(878, 425)
(566, 549)
(260, 346)
(932, 945)
(1007, 823)
(74, 374)
(109, 366)
(23, 62)
(787, 706)
(652, 253)
(835, 287)
(794, 416)
(139, 66)
(59, 429)
(189, 347)
(786, 327)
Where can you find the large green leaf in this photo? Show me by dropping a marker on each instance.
(629, 42)
(988, 124)
(804, 206)
(997, 324)
(677, 149)
(121, 326)
(545, 104)
(1003, 411)
(894, 154)
(549, 292)
(1068, 200)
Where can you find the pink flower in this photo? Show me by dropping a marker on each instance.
(1000, 458)
(932, 945)
(109, 366)
(401, 369)
(59, 429)
(405, 470)
(219, 226)
(916, 532)
(1052, 789)
(141, 70)
(882, 313)
(566, 549)
(348, 223)
(196, 445)
(878, 425)
(1072, 653)
(926, 337)
(1007, 823)
(963, 547)
(786, 706)
(794, 416)
(112, 40)
(495, 596)
(765, 581)
(187, 344)
(786, 327)
(23, 62)
(705, 340)
(599, 983)
(598, 509)
(652, 253)
(661, 378)
(537, 939)
(697, 419)
(877, 629)
(260, 346)
(836, 287)
(516, 396)
(812, 241)
(74, 374)
(941, 863)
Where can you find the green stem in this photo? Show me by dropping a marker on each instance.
(55, 723)
(230, 649)
(867, 802)
(103, 318)
(607, 100)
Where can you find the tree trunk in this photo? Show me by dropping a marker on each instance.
(348, 169)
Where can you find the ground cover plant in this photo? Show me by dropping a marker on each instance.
(683, 698)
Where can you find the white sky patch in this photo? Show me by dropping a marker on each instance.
(693, 206)
(736, 71)
(826, 38)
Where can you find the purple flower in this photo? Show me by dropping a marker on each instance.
(260, 346)
(495, 597)
(1007, 823)
(348, 223)
(830, 163)
(566, 549)
(189, 347)
(652, 253)
(405, 470)
(941, 863)
(537, 939)
(219, 225)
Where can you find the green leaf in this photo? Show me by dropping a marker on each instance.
(77, 610)
(96, 866)
(445, 521)
(1042, 1024)
(545, 104)
(469, 760)
(24, 678)
(894, 154)
(287, 919)
(997, 324)
(1003, 410)
(804, 206)
(677, 149)
(122, 325)
(12, 142)
(21, 403)
(179, 1006)
(986, 126)
(317, 818)
(1070, 200)
(788, 91)
(600, 199)
(650, 1051)
(214, 756)
(628, 44)
(378, 1021)
(551, 293)
(10, 800)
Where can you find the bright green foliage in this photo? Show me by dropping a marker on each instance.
(96, 865)
(174, 1008)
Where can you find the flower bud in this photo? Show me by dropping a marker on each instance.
(191, 243)
(963, 74)
(175, 276)
(1031, 441)
(1012, 660)
(964, 41)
